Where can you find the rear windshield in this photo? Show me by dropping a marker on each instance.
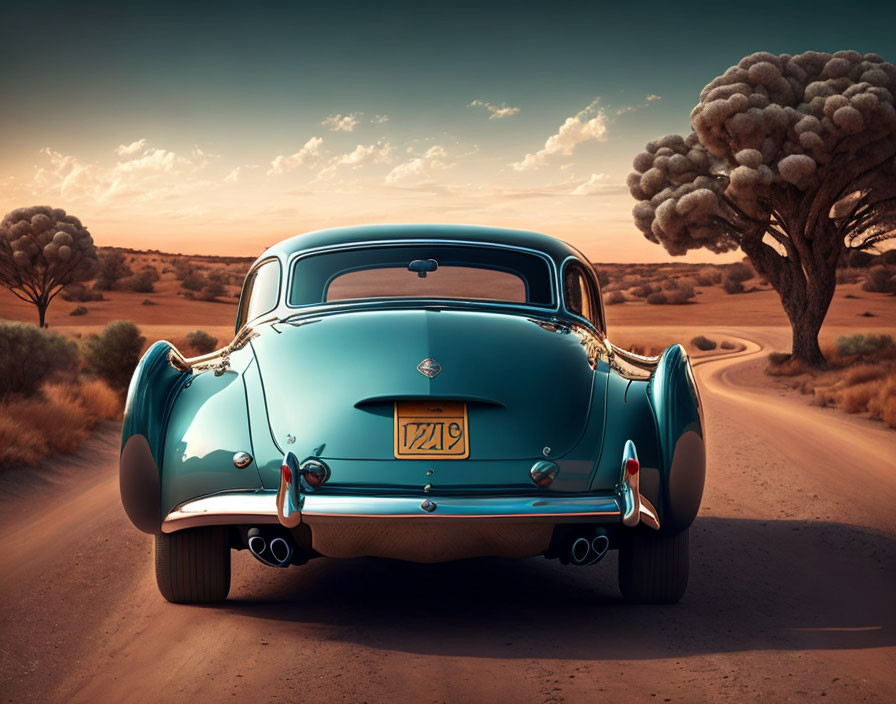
(422, 271)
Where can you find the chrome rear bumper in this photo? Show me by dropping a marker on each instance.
(243, 507)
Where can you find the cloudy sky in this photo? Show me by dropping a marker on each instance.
(227, 127)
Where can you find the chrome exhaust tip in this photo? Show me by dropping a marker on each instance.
(579, 551)
(257, 543)
(281, 551)
(599, 547)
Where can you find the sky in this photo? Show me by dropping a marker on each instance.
(223, 128)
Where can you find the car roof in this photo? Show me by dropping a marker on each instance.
(333, 237)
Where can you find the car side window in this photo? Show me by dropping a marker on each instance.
(578, 293)
(261, 292)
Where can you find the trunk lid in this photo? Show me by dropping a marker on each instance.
(331, 384)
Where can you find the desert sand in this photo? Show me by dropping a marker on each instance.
(791, 593)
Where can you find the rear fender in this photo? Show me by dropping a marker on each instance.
(673, 396)
(154, 387)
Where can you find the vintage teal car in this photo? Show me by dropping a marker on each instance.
(423, 393)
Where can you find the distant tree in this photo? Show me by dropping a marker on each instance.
(793, 160)
(42, 249)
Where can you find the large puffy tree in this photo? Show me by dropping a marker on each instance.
(43, 249)
(793, 160)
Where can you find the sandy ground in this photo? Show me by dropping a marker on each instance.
(791, 595)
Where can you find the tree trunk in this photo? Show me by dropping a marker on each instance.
(805, 294)
(805, 338)
(41, 312)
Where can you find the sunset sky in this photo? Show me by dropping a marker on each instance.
(224, 128)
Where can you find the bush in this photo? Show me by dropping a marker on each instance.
(80, 310)
(732, 285)
(113, 267)
(740, 271)
(701, 342)
(211, 291)
(28, 355)
(710, 274)
(864, 345)
(880, 279)
(113, 354)
(80, 293)
(141, 282)
(614, 298)
(202, 342)
(883, 406)
(193, 282)
(728, 345)
(657, 298)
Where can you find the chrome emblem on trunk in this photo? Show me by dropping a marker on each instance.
(429, 367)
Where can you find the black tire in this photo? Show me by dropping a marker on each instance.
(653, 567)
(193, 565)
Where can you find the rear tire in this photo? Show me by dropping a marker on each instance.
(193, 565)
(653, 567)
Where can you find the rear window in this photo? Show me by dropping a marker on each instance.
(448, 272)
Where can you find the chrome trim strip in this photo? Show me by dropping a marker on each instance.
(244, 507)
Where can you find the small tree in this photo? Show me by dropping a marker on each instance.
(43, 249)
(793, 160)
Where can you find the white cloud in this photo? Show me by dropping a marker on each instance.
(341, 123)
(146, 177)
(497, 111)
(281, 164)
(592, 186)
(132, 148)
(380, 119)
(653, 97)
(233, 176)
(574, 131)
(381, 152)
(418, 168)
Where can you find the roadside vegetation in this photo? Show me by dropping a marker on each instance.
(53, 392)
(860, 379)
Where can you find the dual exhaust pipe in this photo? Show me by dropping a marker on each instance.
(584, 551)
(276, 552)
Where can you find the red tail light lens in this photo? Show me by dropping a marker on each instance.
(632, 466)
(287, 474)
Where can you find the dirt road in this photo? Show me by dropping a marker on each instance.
(792, 594)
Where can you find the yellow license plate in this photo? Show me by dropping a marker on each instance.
(431, 430)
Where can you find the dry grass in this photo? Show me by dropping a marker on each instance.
(859, 383)
(58, 419)
(883, 406)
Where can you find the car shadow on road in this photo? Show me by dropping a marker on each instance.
(755, 585)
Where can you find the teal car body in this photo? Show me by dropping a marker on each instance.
(292, 431)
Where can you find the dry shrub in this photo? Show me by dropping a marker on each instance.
(728, 345)
(782, 364)
(58, 419)
(855, 398)
(614, 298)
(883, 405)
(100, 401)
(869, 346)
(863, 373)
(701, 342)
(20, 445)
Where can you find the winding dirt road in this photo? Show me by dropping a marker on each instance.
(792, 594)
